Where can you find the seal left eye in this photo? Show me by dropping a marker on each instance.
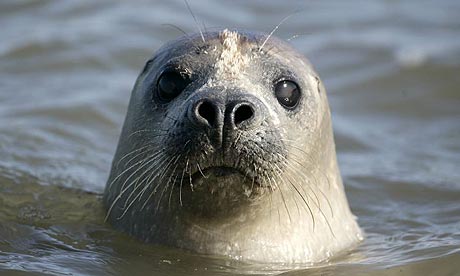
(287, 93)
(170, 85)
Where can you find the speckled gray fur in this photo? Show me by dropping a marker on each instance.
(281, 198)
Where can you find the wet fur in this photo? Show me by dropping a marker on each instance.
(287, 202)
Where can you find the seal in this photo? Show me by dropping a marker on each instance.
(227, 149)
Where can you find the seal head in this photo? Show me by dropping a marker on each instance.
(227, 148)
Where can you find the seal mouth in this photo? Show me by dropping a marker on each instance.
(217, 171)
(224, 176)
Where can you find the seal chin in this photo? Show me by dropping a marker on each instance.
(221, 191)
(217, 176)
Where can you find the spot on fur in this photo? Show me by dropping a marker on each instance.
(232, 60)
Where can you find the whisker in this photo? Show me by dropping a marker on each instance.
(109, 186)
(148, 130)
(196, 21)
(161, 176)
(132, 152)
(153, 168)
(199, 169)
(298, 35)
(124, 189)
(175, 27)
(274, 30)
(322, 213)
(181, 181)
(152, 159)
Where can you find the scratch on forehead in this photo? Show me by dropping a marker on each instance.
(232, 59)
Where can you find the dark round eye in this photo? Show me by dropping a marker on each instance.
(288, 93)
(170, 84)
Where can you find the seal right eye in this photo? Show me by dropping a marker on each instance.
(170, 84)
(287, 93)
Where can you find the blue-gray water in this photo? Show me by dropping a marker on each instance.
(392, 71)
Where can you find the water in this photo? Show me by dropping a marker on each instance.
(392, 73)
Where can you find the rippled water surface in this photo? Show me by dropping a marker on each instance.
(392, 70)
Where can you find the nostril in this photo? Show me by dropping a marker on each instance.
(206, 110)
(243, 113)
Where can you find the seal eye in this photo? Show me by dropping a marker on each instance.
(170, 84)
(288, 93)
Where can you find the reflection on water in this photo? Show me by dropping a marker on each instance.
(391, 70)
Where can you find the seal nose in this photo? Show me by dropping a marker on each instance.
(222, 118)
(206, 112)
(240, 114)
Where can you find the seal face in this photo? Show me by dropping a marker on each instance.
(227, 148)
